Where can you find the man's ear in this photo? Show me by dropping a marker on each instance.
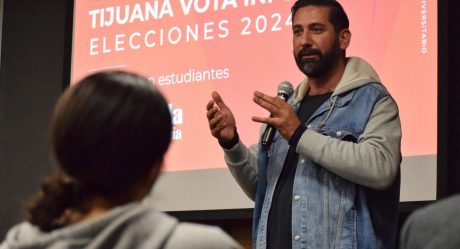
(344, 38)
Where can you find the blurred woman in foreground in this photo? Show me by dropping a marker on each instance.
(109, 134)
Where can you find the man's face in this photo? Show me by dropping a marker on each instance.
(316, 44)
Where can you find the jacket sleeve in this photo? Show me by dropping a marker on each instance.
(373, 161)
(242, 162)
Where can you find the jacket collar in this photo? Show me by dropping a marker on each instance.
(357, 73)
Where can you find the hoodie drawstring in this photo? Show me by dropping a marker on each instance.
(323, 122)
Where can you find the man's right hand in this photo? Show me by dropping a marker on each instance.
(220, 118)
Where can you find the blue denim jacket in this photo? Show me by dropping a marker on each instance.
(329, 211)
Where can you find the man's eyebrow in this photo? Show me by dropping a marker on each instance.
(309, 25)
(316, 24)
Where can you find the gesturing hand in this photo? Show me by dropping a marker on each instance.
(282, 117)
(220, 118)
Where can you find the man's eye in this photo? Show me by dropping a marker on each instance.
(317, 29)
(296, 31)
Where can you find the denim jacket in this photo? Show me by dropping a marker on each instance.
(346, 186)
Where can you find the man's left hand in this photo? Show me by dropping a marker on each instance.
(282, 117)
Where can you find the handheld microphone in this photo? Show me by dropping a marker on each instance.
(285, 91)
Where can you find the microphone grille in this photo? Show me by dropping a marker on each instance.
(286, 88)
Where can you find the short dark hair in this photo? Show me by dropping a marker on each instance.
(337, 15)
(108, 132)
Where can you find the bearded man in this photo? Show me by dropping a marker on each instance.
(331, 177)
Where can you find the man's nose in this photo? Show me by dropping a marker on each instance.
(306, 39)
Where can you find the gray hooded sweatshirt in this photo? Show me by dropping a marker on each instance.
(130, 226)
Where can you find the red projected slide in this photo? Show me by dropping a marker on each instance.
(188, 48)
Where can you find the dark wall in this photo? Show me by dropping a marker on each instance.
(453, 103)
(34, 63)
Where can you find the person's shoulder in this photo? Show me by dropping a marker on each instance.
(444, 206)
(440, 214)
(23, 231)
(422, 228)
(197, 236)
(373, 87)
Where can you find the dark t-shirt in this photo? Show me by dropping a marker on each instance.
(279, 234)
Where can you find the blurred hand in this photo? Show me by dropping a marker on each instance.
(283, 118)
(220, 118)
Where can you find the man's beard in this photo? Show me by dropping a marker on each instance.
(317, 67)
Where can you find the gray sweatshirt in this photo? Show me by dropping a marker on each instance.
(133, 225)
